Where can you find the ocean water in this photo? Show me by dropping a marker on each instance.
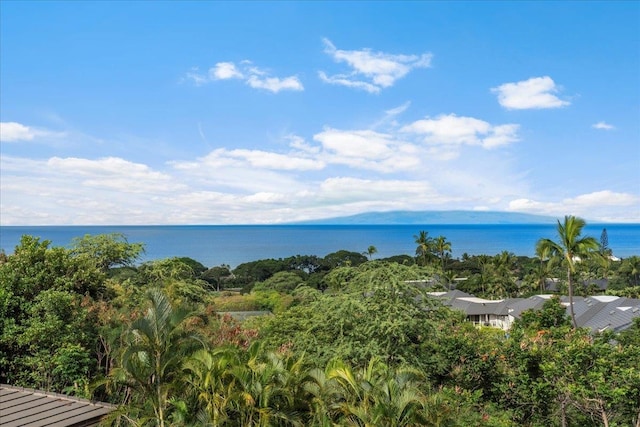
(233, 245)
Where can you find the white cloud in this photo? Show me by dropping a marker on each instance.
(336, 172)
(253, 76)
(534, 93)
(372, 71)
(598, 205)
(114, 173)
(15, 132)
(82, 191)
(247, 171)
(455, 130)
(603, 126)
(224, 70)
(367, 149)
(12, 131)
(275, 84)
(301, 145)
(255, 159)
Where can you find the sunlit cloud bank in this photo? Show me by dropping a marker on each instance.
(333, 172)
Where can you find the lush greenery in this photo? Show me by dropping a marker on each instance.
(352, 340)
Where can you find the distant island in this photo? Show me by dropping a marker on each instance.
(435, 217)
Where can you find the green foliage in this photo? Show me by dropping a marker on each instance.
(154, 349)
(343, 258)
(373, 349)
(552, 315)
(217, 276)
(284, 282)
(107, 250)
(257, 271)
(273, 301)
(175, 277)
(379, 315)
(44, 292)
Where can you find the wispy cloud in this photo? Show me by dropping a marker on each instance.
(371, 71)
(254, 77)
(603, 126)
(534, 93)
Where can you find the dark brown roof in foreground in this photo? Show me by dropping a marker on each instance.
(33, 408)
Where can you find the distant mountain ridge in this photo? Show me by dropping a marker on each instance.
(435, 217)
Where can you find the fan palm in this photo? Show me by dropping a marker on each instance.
(570, 248)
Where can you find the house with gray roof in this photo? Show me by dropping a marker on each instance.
(32, 408)
(482, 312)
(598, 313)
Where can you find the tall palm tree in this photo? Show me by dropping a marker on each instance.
(544, 268)
(425, 244)
(570, 248)
(442, 247)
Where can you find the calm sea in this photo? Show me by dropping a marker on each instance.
(233, 245)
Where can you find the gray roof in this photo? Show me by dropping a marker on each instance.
(598, 313)
(32, 408)
(475, 306)
(518, 306)
(614, 315)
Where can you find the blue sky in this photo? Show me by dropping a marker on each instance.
(264, 112)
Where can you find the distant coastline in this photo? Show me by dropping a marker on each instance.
(455, 217)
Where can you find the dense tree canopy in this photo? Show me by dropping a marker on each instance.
(351, 341)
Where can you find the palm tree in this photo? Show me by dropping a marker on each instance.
(371, 250)
(425, 244)
(155, 348)
(207, 374)
(265, 388)
(544, 268)
(377, 395)
(485, 265)
(442, 247)
(570, 248)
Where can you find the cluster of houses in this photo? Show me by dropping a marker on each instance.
(598, 313)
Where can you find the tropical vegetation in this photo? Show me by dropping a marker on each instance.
(346, 339)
